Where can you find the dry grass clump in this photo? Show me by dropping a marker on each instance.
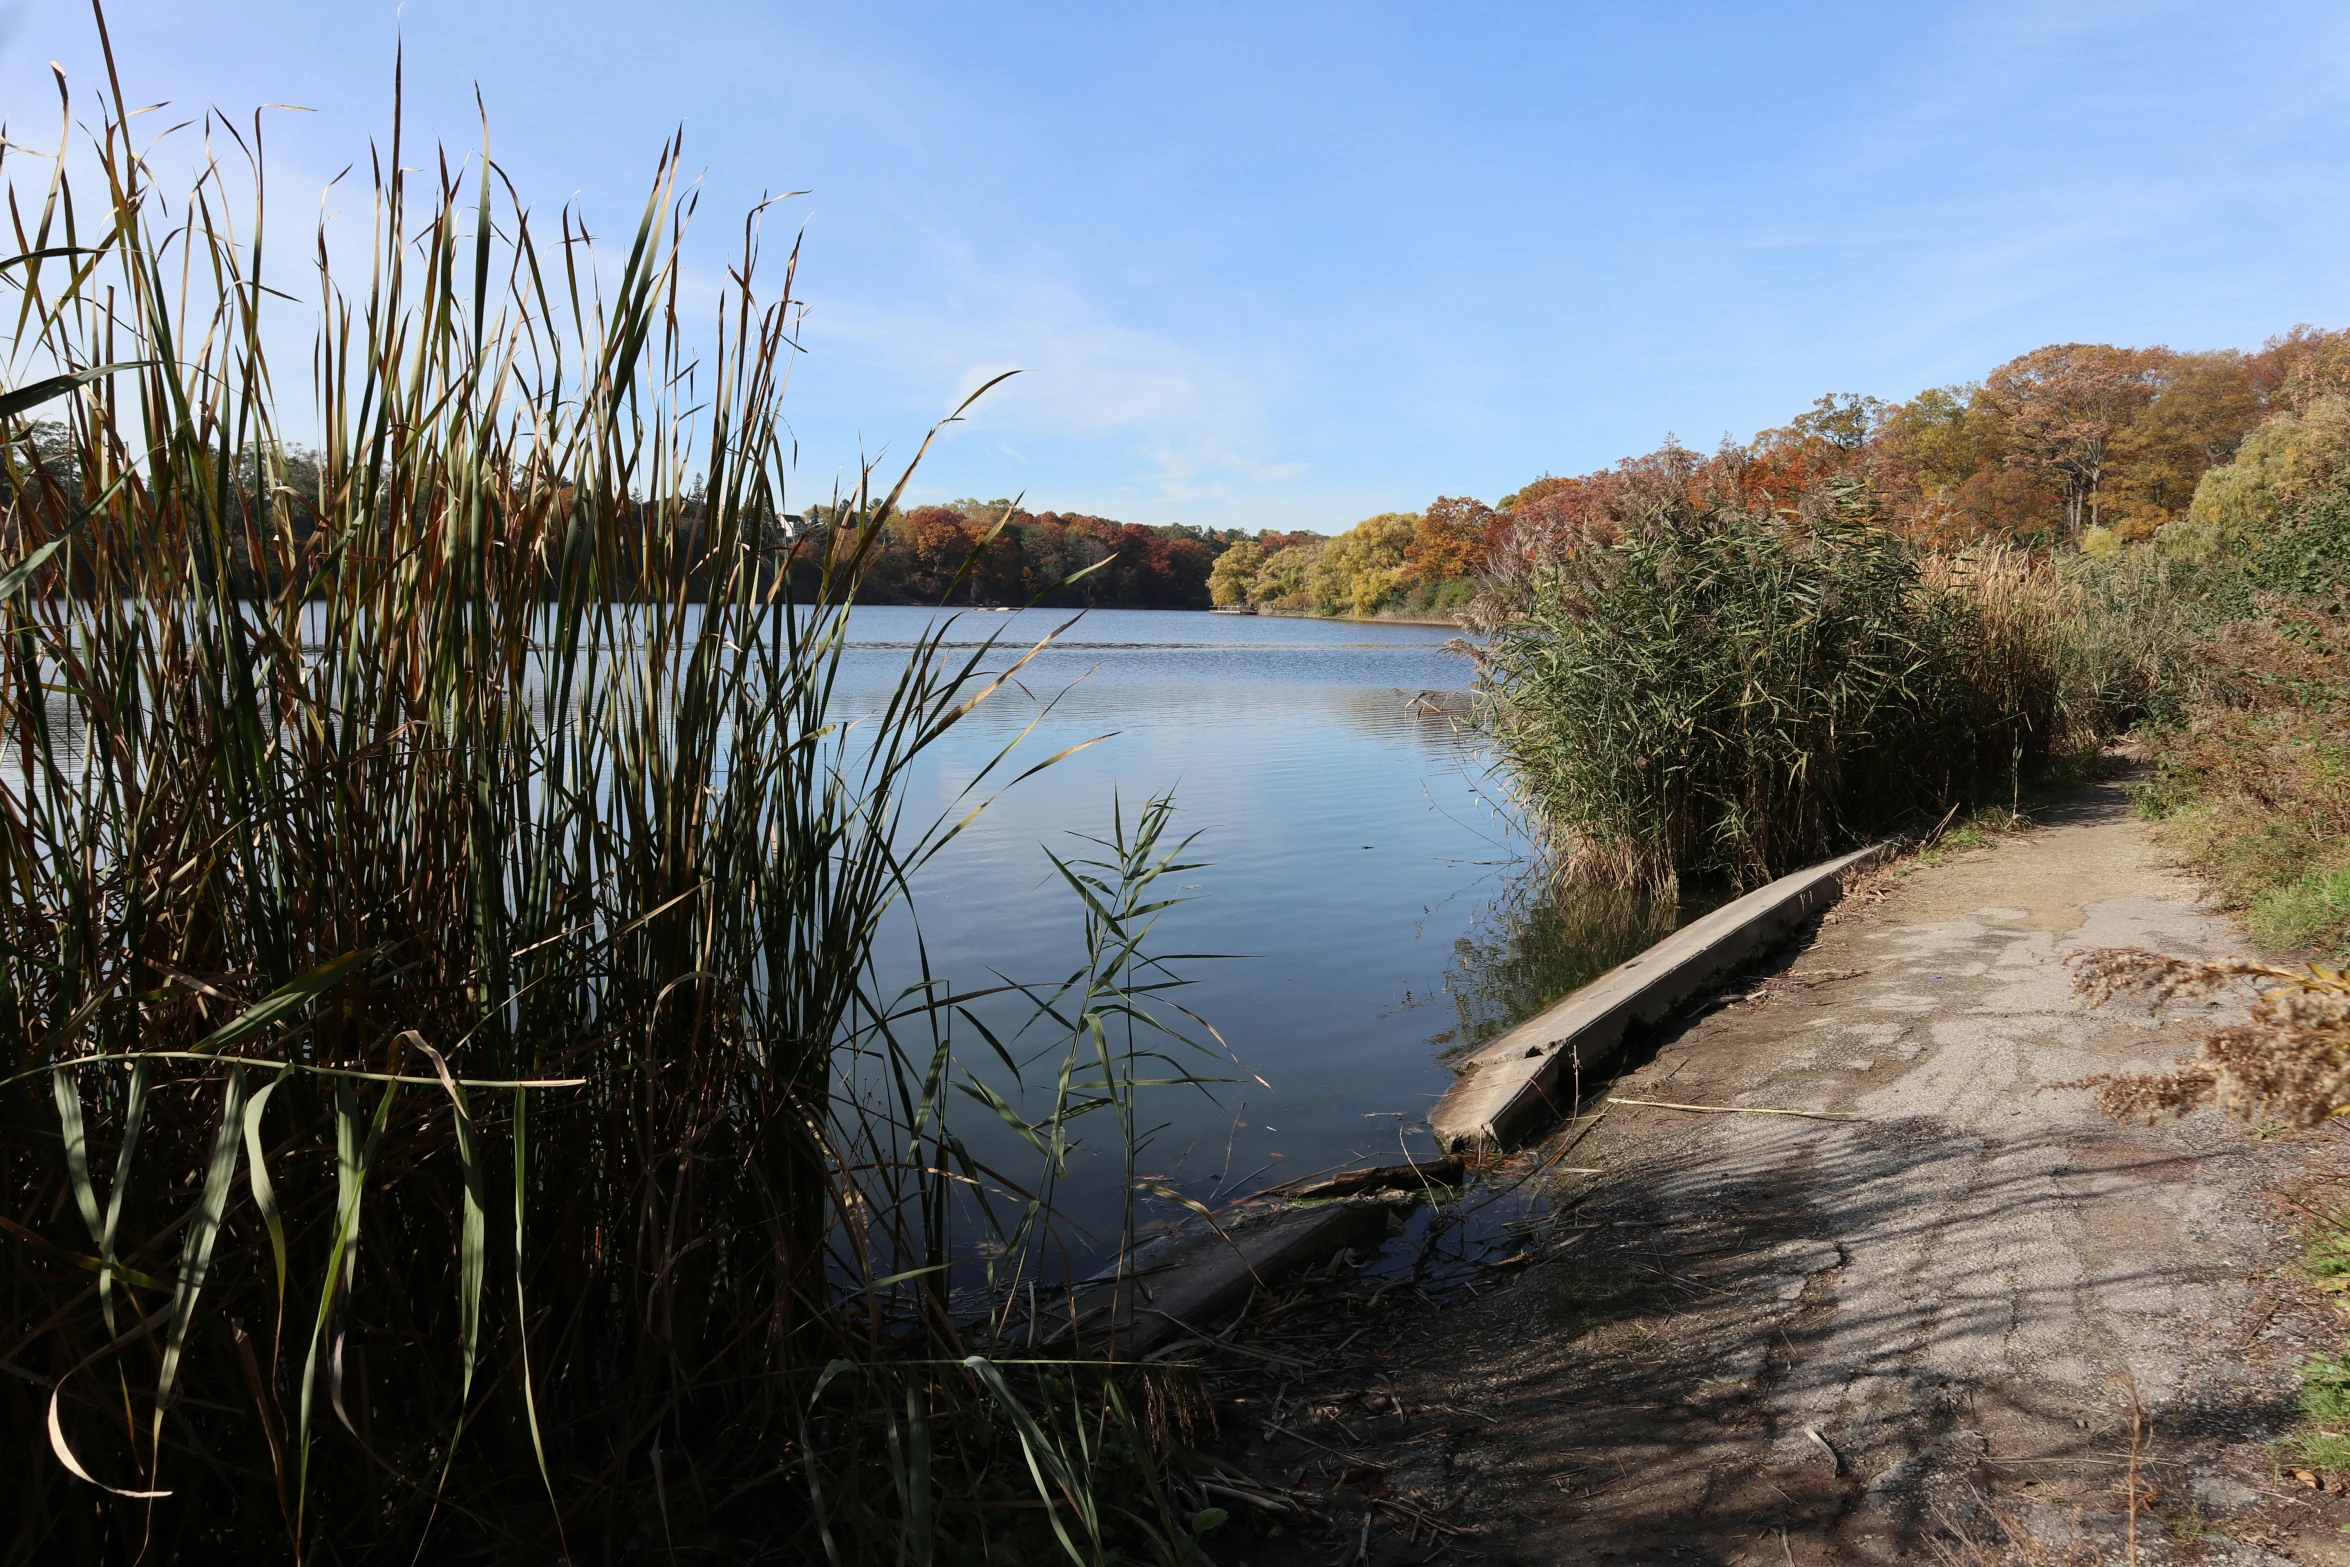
(2289, 1062)
(2109, 635)
(2014, 1544)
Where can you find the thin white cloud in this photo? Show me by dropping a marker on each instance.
(1190, 423)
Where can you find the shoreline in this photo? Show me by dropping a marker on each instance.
(1357, 620)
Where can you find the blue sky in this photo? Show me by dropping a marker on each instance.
(1285, 266)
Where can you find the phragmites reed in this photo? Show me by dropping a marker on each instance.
(1685, 686)
(450, 1109)
(2288, 1062)
(1707, 691)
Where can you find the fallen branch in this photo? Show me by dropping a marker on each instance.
(1809, 1115)
(1417, 1515)
(1447, 1171)
(1271, 1504)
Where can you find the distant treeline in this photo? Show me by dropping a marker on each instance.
(2073, 446)
(1394, 562)
(956, 553)
(2076, 446)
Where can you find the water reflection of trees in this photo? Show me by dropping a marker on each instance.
(1541, 937)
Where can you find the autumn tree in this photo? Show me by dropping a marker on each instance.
(2060, 409)
(1234, 573)
(1842, 420)
(2066, 439)
(1448, 542)
(2204, 405)
(1550, 515)
(1286, 580)
(1363, 566)
(930, 544)
(2295, 368)
(1540, 490)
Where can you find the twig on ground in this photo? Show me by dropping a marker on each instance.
(1269, 1503)
(1809, 1115)
(1238, 1349)
(2276, 1301)
(1416, 1515)
(1300, 1436)
(2137, 1439)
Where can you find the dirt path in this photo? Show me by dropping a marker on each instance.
(1773, 1339)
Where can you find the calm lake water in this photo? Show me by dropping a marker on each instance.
(1361, 866)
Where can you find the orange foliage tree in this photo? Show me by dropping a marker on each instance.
(1448, 542)
(2060, 410)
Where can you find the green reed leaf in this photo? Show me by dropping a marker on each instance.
(291, 996)
(203, 1230)
(26, 398)
(81, 1260)
(77, 1149)
(1048, 1467)
(265, 1195)
(471, 1240)
(354, 1156)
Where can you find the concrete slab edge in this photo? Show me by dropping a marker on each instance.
(1533, 1073)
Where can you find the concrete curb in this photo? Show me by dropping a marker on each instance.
(1530, 1073)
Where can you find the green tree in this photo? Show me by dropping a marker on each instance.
(1234, 574)
(1285, 581)
(2279, 465)
(1362, 567)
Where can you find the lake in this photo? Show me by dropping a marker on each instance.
(1361, 865)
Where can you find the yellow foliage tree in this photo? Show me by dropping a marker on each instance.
(2283, 460)
(1361, 568)
(1234, 573)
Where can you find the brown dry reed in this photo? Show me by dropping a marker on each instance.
(2289, 1062)
(449, 1102)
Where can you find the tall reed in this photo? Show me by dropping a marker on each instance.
(450, 1102)
(1716, 694)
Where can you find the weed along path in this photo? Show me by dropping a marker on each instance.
(1951, 1300)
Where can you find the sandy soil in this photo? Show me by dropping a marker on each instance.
(1975, 1308)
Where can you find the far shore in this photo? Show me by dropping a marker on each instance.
(1360, 620)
